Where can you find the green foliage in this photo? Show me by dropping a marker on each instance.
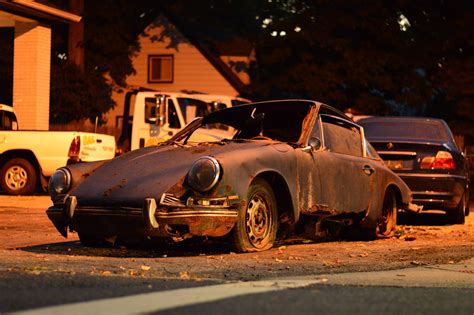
(111, 29)
(76, 95)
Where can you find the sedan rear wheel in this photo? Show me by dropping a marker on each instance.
(457, 216)
(257, 226)
(388, 220)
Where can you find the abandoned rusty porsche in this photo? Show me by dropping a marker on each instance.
(284, 164)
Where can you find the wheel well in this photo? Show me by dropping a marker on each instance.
(23, 154)
(282, 196)
(398, 194)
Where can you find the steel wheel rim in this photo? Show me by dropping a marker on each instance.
(16, 177)
(258, 220)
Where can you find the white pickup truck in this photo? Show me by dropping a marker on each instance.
(157, 116)
(28, 158)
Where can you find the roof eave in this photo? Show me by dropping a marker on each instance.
(38, 11)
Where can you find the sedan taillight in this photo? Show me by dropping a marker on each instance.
(75, 147)
(442, 160)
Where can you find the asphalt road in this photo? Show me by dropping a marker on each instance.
(439, 289)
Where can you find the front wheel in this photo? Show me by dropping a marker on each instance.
(388, 219)
(88, 240)
(257, 224)
(18, 177)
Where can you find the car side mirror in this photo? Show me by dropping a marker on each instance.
(314, 144)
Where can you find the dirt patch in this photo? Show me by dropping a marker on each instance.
(30, 243)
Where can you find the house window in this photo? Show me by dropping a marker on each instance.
(160, 68)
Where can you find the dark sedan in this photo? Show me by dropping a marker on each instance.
(285, 164)
(422, 151)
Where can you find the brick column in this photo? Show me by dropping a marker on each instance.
(31, 75)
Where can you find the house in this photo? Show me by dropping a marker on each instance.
(172, 60)
(25, 58)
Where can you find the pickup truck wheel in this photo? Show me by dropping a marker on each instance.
(257, 224)
(18, 177)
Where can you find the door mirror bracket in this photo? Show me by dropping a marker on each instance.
(314, 144)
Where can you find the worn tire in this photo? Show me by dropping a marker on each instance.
(18, 177)
(468, 198)
(88, 240)
(257, 224)
(388, 221)
(457, 216)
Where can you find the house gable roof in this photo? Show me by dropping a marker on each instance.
(211, 56)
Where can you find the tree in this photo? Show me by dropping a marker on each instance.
(111, 30)
(388, 57)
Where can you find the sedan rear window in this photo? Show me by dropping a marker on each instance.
(406, 130)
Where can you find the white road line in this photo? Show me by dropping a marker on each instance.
(163, 300)
(452, 275)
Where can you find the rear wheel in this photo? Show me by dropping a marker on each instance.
(457, 216)
(18, 177)
(257, 226)
(388, 219)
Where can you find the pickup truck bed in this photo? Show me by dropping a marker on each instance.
(28, 158)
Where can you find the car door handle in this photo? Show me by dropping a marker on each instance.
(368, 170)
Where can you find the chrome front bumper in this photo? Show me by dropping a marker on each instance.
(177, 221)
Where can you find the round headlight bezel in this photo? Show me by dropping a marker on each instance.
(194, 182)
(58, 185)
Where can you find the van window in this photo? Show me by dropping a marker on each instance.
(192, 108)
(150, 110)
(173, 118)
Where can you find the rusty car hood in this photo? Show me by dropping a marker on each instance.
(149, 172)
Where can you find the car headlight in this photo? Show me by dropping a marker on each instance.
(60, 181)
(204, 174)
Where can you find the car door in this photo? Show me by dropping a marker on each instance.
(308, 181)
(346, 175)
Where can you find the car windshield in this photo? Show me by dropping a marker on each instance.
(405, 130)
(280, 121)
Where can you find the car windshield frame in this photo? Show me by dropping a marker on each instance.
(257, 115)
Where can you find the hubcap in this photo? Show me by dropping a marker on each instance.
(16, 177)
(258, 220)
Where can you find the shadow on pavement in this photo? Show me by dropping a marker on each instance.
(163, 248)
(437, 218)
(135, 249)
